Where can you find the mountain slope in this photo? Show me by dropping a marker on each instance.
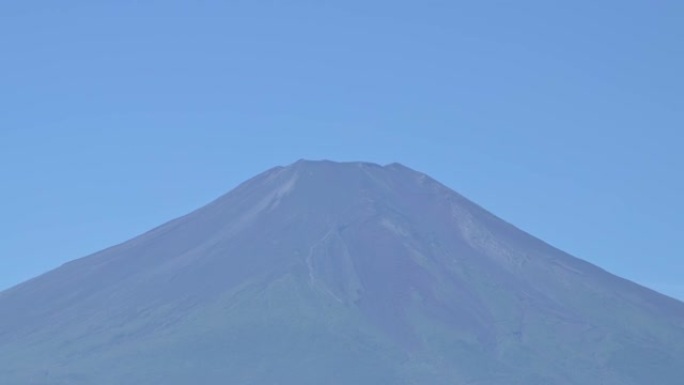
(338, 273)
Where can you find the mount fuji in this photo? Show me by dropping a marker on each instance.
(338, 273)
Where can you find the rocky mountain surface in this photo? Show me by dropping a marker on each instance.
(338, 273)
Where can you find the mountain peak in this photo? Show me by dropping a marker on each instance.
(325, 163)
(342, 164)
(378, 274)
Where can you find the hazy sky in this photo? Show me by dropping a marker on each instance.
(564, 118)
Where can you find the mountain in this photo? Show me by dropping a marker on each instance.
(338, 273)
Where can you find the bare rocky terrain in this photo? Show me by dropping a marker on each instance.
(338, 273)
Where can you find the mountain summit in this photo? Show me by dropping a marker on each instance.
(338, 273)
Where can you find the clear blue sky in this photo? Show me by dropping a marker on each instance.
(565, 118)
